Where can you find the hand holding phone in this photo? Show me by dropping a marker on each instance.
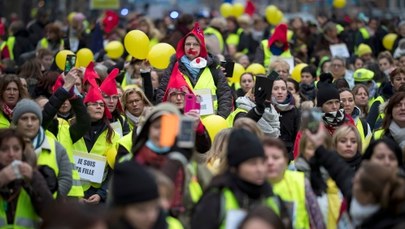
(311, 119)
(70, 63)
(191, 102)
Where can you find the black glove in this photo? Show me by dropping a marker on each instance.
(260, 98)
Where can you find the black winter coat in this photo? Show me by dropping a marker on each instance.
(224, 94)
(289, 126)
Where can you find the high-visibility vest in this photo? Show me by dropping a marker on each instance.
(25, 216)
(268, 54)
(234, 38)
(365, 139)
(10, 45)
(205, 81)
(194, 186)
(231, 203)
(380, 99)
(217, 34)
(173, 223)
(65, 140)
(292, 190)
(100, 147)
(125, 142)
(378, 134)
(364, 33)
(4, 122)
(231, 118)
(153, 41)
(45, 43)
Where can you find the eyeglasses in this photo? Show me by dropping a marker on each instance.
(337, 65)
(114, 97)
(101, 104)
(192, 44)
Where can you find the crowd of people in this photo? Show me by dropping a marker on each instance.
(108, 145)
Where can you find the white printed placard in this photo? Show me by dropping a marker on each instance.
(206, 102)
(340, 50)
(289, 60)
(90, 166)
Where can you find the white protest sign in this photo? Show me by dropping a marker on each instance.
(289, 60)
(339, 50)
(90, 166)
(207, 105)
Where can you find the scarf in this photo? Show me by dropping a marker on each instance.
(276, 51)
(356, 113)
(308, 90)
(398, 134)
(132, 118)
(7, 111)
(286, 105)
(334, 119)
(39, 139)
(360, 212)
(253, 191)
(193, 71)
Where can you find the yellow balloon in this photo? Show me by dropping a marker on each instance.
(238, 9)
(84, 57)
(114, 49)
(271, 10)
(275, 18)
(213, 124)
(60, 58)
(296, 72)
(137, 44)
(238, 70)
(339, 3)
(226, 9)
(159, 55)
(256, 69)
(389, 40)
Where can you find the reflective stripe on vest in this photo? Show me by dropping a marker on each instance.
(217, 34)
(231, 118)
(267, 54)
(10, 45)
(100, 147)
(44, 43)
(292, 191)
(173, 223)
(232, 204)
(25, 215)
(206, 80)
(4, 123)
(66, 141)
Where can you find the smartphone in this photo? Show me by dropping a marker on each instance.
(186, 136)
(311, 119)
(228, 65)
(70, 63)
(263, 84)
(191, 102)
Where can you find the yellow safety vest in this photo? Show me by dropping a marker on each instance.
(292, 190)
(232, 204)
(231, 118)
(25, 215)
(193, 186)
(380, 99)
(365, 140)
(45, 43)
(205, 81)
(100, 147)
(216, 33)
(4, 123)
(125, 142)
(173, 223)
(10, 45)
(268, 54)
(378, 134)
(334, 204)
(65, 140)
(153, 42)
(364, 33)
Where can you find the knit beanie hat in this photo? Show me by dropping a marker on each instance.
(326, 93)
(26, 106)
(243, 145)
(363, 49)
(132, 183)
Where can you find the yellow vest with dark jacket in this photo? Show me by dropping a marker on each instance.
(45, 43)
(101, 147)
(205, 81)
(267, 54)
(4, 123)
(231, 118)
(292, 190)
(10, 45)
(25, 216)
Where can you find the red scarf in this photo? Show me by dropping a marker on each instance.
(7, 111)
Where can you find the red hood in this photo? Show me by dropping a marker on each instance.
(176, 83)
(280, 34)
(197, 33)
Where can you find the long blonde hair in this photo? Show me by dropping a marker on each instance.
(216, 156)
